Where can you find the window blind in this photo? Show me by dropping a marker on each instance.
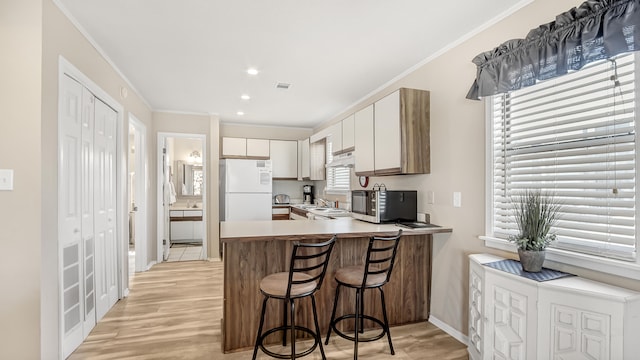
(338, 178)
(573, 137)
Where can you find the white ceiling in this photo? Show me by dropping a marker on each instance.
(192, 55)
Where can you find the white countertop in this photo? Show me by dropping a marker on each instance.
(307, 229)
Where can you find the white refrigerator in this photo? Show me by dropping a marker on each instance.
(245, 190)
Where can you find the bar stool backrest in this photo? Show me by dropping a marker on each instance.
(381, 255)
(312, 260)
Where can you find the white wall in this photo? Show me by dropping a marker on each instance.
(20, 150)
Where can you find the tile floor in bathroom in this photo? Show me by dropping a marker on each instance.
(185, 252)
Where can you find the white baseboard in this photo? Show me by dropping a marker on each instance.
(126, 292)
(449, 330)
(150, 265)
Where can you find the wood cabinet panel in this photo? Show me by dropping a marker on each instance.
(246, 263)
(232, 147)
(317, 160)
(304, 170)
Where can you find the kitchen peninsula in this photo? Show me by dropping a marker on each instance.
(254, 249)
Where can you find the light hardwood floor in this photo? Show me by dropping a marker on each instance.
(174, 312)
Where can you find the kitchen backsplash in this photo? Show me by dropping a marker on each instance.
(293, 188)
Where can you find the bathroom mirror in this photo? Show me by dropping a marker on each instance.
(190, 179)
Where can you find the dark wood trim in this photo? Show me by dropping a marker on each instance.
(284, 178)
(186, 218)
(344, 151)
(392, 171)
(279, 216)
(297, 211)
(245, 157)
(365, 173)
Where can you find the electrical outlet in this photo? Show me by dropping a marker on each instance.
(6, 179)
(457, 199)
(422, 217)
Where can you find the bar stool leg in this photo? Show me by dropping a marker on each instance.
(255, 348)
(386, 320)
(315, 319)
(357, 330)
(333, 314)
(362, 312)
(293, 330)
(284, 323)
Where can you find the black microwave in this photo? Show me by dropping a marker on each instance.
(384, 206)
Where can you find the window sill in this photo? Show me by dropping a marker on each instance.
(556, 259)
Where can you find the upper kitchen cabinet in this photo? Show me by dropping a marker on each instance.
(312, 159)
(401, 133)
(258, 148)
(336, 138)
(348, 136)
(317, 160)
(284, 159)
(363, 139)
(241, 148)
(304, 166)
(342, 136)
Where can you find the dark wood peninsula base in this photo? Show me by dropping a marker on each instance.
(248, 257)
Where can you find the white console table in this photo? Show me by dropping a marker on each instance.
(513, 317)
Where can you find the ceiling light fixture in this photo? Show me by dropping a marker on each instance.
(283, 86)
(240, 113)
(252, 71)
(245, 97)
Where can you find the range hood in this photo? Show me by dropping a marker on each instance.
(342, 160)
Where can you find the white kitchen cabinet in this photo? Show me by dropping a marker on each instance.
(363, 141)
(317, 160)
(386, 136)
(336, 138)
(234, 147)
(348, 133)
(304, 168)
(284, 159)
(394, 139)
(240, 148)
(258, 148)
(511, 317)
(186, 225)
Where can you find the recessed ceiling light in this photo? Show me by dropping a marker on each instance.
(252, 71)
(245, 97)
(240, 113)
(283, 86)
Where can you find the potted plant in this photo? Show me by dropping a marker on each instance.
(535, 214)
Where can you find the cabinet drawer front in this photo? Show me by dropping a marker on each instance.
(280, 211)
(190, 213)
(176, 213)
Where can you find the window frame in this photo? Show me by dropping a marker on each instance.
(329, 157)
(559, 258)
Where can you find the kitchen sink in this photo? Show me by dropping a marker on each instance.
(330, 211)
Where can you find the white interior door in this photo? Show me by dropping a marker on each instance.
(88, 240)
(70, 213)
(105, 208)
(140, 194)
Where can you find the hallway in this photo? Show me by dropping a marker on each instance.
(173, 312)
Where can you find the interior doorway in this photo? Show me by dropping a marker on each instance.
(137, 171)
(182, 194)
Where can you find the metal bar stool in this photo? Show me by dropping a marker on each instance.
(307, 269)
(376, 272)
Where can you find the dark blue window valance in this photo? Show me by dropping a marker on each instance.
(596, 30)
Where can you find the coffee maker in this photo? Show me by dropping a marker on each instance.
(307, 194)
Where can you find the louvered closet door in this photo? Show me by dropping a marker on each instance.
(105, 208)
(70, 214)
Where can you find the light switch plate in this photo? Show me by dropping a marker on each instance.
(431, 197)
(6, 179)
(457, 199)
